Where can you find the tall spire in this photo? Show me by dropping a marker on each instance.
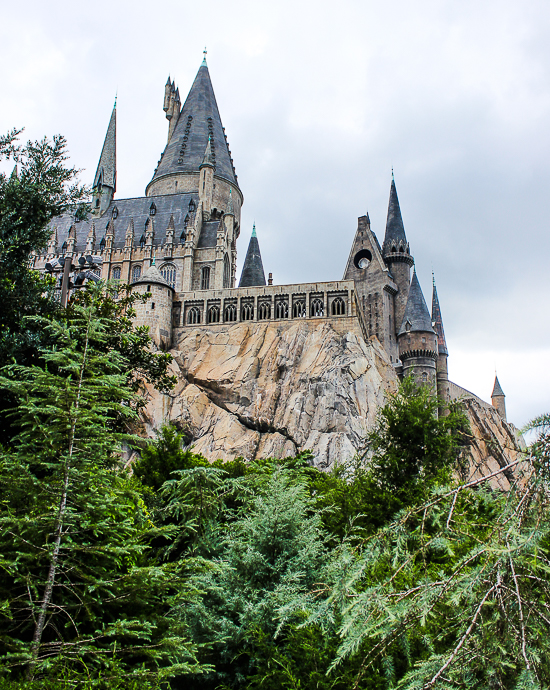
(417, 316)
(253, 269)
(199, 119)
(437, 321)
(395, 238)
(104, 185)
(497, 389)
(498, 398)
(208, 158)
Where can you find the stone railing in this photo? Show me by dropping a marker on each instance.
(266, 303)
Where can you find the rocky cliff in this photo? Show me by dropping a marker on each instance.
(269, 389)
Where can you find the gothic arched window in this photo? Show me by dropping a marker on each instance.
(102, 244)
(299, 309)
(230, 313)
(169, 274)
(63, 247)
(115, 273)
(136, 272)
(205, 278)
(214, 314)
(247, 311)
(115, 212)
(281, 310)
(192, 206)
(152, 209)
(194, 315)
(338, 307)
(317, 307)
(226, 272)
(264, 311)
(182, 237)
(142, 241)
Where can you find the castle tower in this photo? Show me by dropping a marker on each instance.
(104, 186)
(156, 312)
(253, 269)
(417, 338)
(396, 253)
(442, 352)
(498, 399)
(374, 286)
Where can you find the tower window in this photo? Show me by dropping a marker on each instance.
(97, 203)
(169, 274)
(115, 275)
(152, 305)
(205, 278)
(136, 272)
(226, 272)
(338, 307)
(182, 237)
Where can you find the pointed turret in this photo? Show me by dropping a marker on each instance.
(253, 269)
(417, 338)
(104, 185)
(442, 352)
(498, 398)
(397, 254)
(208, 158)
(199, 119)
(438, 323)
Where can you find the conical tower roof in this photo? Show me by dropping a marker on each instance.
(395, 230)
(199, 119)
(417, 316)
(253, 269)
(152, 275)
(437, 320)
(106, 169)
(497, 390)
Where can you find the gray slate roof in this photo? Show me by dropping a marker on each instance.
(209, 234)
(416, 311)
(137, 209)
(107, 162)
(395, 231)
(186, 149)
(497, 390)
(438, 320)
(253, 269)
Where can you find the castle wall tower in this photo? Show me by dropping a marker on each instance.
(396, 253)
(442, 352)
(104, 186)
(156, 312)
(498, 399)
(417, 339)
(374, 286)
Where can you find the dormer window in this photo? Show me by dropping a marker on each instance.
(408, 326)
(192, 206)
(152, 209)
(102, 244)
(63, 247)
(142, 241)
(115, 213)
(186, 221)
(182, 237)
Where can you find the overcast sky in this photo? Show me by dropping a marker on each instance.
(319, 100)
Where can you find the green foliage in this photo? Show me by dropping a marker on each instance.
(77, 591)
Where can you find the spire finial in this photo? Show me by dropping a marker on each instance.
(153, 261)
(254, 230)
(433, 278)
(204, 58)
(116, 96)
(392, 176)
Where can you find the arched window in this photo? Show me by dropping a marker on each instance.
(230, 313)
(299, 309)
(214, 314)
(136, 272)
(182, 237)
(142, 241)
(102, 244)
(194, 315)
(114, 213)
(338, 307)
(264, 311)
(226, 272)
(63, 247)
(152, 209)
(205, 278)
(192, 206)
(169, 274)
(247, 311)
(115, 273)
(317, 307)
(393, 248)
(281, 310)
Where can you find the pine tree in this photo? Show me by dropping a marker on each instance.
(78, 591)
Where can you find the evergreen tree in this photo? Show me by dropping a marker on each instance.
(78, 592)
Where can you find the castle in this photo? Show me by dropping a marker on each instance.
(178, 244)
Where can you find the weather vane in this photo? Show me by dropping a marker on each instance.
(204, 58)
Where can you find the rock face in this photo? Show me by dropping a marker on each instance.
(268, 389)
